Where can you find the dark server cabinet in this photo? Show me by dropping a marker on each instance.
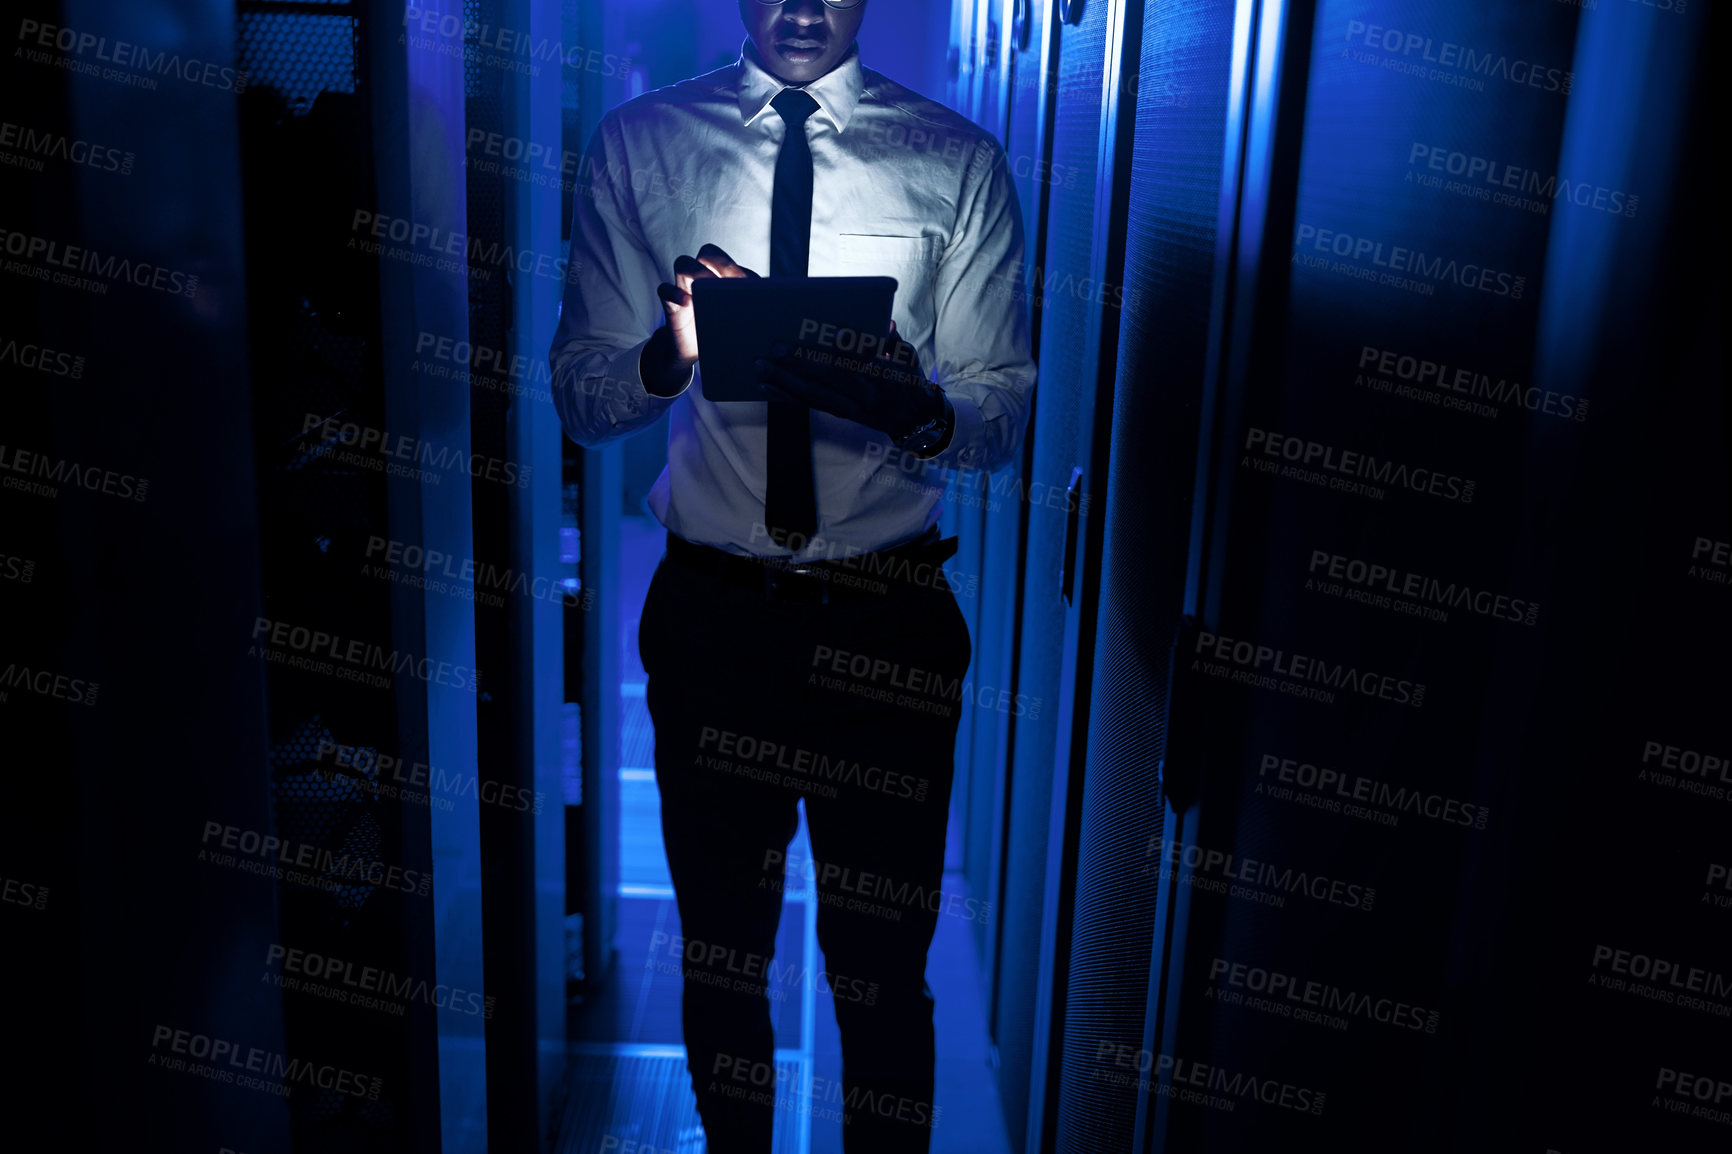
(1067, 132)
(1173, 100)
(1390, 819)
(1437, 868)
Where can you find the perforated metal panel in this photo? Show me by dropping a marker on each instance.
(1174, 188)
(999, 598)
(321, 803)
(1066, 386)
(312, 300)
(299, 53)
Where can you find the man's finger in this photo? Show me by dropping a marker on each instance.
(715, 253)
(691, 268)
(802, 365)
(897, 350)
(673, 295)
(844, 374)
(817, 360)
(792, 383)
(817, 394)
(714, 258)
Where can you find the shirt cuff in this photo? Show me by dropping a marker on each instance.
(628, 366)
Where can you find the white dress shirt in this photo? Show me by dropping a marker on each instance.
(902, 187)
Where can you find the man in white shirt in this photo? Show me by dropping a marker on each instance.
(800, 637)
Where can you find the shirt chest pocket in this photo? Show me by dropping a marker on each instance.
(912, 260)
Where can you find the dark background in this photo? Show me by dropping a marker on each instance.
(1173, 163)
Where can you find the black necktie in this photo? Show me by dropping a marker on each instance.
(790, 505)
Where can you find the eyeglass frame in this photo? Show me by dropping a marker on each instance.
(836, 4)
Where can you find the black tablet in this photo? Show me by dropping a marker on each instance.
(741, 319)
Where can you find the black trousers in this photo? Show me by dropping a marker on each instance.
(852, 706)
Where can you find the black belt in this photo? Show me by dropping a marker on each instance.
(915, 564)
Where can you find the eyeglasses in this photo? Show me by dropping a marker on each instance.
(840, 5)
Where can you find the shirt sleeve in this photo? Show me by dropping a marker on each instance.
(981, 339)
(610, 307)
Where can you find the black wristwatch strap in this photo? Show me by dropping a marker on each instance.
(942, 425)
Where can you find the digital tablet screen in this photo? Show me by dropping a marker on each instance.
(741, 319)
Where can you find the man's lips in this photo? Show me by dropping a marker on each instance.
(800, 45)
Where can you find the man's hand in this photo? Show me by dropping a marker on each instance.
(666, 364)
(886, 392)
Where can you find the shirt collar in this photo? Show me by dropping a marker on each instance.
(837, 91)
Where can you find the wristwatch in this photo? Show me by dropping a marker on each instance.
(924, 440)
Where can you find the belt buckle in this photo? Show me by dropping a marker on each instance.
(772, 586)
